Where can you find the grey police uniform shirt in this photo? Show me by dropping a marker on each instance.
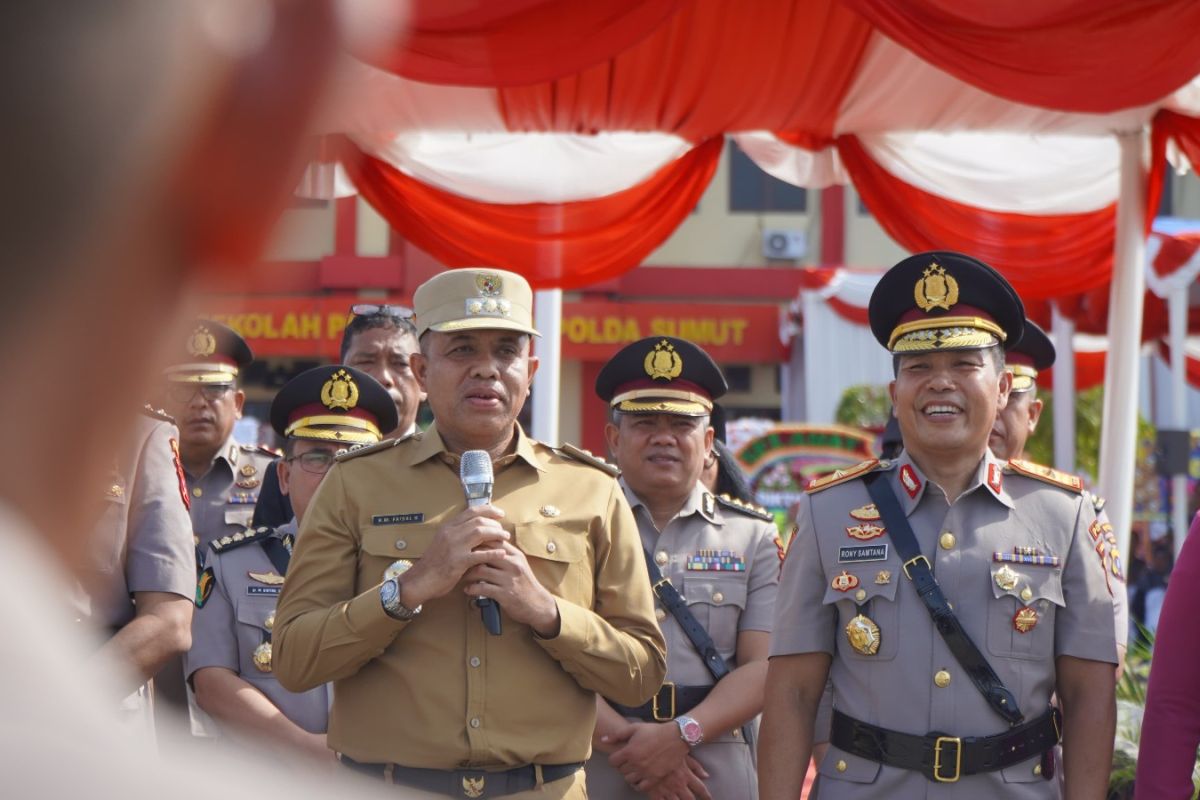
(739, 596)
(967, 544)
(143, 539)
(223, 500)
(238, 617)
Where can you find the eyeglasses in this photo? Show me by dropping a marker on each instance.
(317, 462)
(371, 309)
(184, 392)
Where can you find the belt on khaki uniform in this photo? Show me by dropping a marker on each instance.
(669, 701)
(943, 758)
(470, 783)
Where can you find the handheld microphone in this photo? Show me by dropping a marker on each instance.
(475, 472)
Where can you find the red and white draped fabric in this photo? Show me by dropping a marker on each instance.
(567, 140)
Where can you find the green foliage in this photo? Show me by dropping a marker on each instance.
(864, 406)
(1089, 411)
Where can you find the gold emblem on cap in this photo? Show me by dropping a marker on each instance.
(663, 362)
(863, 634)
(936, 289)
(201, 343)
(262, 657)
(489, 284)
(340, 391)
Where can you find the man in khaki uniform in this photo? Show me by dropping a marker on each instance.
(319, 413)
(1003, 555)
(718, 553)
(380, 596)
(1016, 422)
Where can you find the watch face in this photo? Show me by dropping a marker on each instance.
(691, 731)
(389, 592)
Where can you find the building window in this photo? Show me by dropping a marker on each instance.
(738, 377)
(752, 190)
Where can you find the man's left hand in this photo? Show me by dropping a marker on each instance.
(512, 584)
(653, 751)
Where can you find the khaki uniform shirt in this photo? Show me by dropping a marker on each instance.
(143, 540)
(223, 500)
(238, 618)
(895, 688)
(725, 563)
(438, 691)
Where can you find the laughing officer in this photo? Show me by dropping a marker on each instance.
(1012, 429)
(1003, 560)
(319, 414)
(380, 598)
(715, 567)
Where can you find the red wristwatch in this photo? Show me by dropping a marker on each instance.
(690, 730)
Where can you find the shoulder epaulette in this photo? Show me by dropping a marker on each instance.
(1096, 500)
(261, 449)
(576, 454)
(368, 449)
(749, 509)
(157, 413)
(234, 541)
(842, 475)
(1045, 474)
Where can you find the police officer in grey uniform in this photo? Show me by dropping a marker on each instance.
(223, 476)
(720, 558)
(139, 568)
(999, 553)
(319, 413)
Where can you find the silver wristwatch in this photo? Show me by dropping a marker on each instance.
(389, 597)
(690, 730)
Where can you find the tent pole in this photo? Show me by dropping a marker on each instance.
(1118, 441)
(1177, 302)
(1062, 332)
(547, 313)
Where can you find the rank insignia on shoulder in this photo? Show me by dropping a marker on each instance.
(867, 513)
(157, 414)
(238, 539)
(204, 586)
(750, 509)
(578, 454)
(841, 476)
(378, 447)
(865, 532)
(1046, 474)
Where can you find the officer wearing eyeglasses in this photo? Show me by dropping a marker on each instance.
(223, 476)
(320, 413)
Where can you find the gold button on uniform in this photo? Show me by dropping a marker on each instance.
(197, 492)
(860, 595)
(269, 622)
(941, 679)
(661, 558)
(718, 597)
(840, 766)
(1026, 594)
(551, 547)
(475, 723)
(947, 540)
(1037, 769)
(475, 662)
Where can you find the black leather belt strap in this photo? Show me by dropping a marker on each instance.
(465, 782)
(677, 607)
(918, 570)
(668, 702)
(942, 758)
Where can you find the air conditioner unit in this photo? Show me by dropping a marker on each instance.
(779, 243)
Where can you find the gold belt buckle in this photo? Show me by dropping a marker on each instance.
(937, 757)
(914, 560)
(654, 703)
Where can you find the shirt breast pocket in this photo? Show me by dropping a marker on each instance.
(717, 601)
(383, 545)
(253, 615)
(875, 637)
(239, 517)
(1021, 617)
(557, 558)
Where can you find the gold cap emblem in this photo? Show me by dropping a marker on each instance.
(340, 391)
(663, 362)
(936, 289)
(489, 284)
(202, 343)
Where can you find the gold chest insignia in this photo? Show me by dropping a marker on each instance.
(863, 635)
(340, 391)
(663, 362)
(248, 470)
(935, 289)
(1006, 578)
(867, 513)
(1025, 619)
(269, 578)
(116, 490)
(473, 787)
(262, 657)
(248, 483)
(845, 582)
(865, 531)
(883, 577)
(201, 344)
